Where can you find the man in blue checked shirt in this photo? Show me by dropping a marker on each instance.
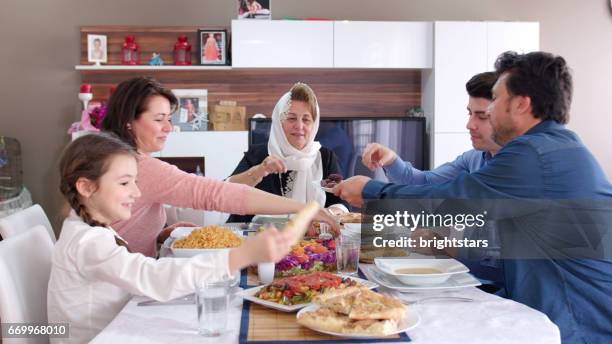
(539, 159)
(483, 263)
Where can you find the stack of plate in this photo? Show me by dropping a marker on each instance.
(408, 275)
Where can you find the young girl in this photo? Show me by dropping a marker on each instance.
(93, 274)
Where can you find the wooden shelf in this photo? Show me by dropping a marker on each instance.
(149, 68)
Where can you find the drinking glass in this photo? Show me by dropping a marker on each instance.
(212, 302)
(347, 255)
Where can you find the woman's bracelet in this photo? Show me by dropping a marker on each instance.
(251, 173)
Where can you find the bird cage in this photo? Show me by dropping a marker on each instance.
(11, 173)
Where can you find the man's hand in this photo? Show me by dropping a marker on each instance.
(326, 216)
(376, 155)
(350, 190)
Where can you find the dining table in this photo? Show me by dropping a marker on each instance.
(488, 318)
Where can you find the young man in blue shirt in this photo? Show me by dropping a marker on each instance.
(540, 159)
(483, 263)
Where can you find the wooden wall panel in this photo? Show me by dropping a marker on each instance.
(341, 92)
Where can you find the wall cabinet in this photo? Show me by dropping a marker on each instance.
(383, 44)
(282, 44)
(326, 44)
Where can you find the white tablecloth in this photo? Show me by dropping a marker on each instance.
(488, 319)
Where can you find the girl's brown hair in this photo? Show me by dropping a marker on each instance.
(129, 101)
(88, 157)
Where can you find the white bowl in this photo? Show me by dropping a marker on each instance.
(447, 268)
(181, 232)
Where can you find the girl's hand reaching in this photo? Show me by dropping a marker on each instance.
(271, 245)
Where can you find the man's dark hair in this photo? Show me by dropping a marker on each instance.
(543, 77)
(480, 85)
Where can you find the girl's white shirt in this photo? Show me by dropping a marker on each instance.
(92, 278)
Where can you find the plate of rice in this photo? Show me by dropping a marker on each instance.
(190, 241)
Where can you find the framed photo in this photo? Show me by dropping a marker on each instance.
(192, 111)
(254, 9)
(97, 51)
(213, 47)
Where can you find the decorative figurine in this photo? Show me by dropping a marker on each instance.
(182, 52)
(129, 52)
(156, 60)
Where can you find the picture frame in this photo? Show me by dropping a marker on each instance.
(254, 9)
(191, 113)
(213, 45)
(97, 49)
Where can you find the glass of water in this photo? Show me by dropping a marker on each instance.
(212, 302)
(347, 255)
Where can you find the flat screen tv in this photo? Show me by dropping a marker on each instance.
(348, 137)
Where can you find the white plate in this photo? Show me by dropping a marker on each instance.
(448, 267)
(190, 252)
(249, 294)
(318, 184)
(463, 280)
(410, 321)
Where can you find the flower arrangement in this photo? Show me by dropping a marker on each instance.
(91, 118)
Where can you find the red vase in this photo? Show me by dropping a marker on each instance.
(129, 51)
(182, 52)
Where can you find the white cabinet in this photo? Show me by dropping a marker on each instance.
(449, 146)
(362, 44)
(460, 52)
(504, 36)
(282, 44)
(222, 150)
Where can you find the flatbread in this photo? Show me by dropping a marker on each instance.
(350, 218)
(339, 300)
(374, 306)
(359, 303)
(370, 327)
(300, 222)
(324, 319)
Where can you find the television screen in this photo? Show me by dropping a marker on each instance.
(348, 137)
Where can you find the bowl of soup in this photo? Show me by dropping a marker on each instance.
(419, 271)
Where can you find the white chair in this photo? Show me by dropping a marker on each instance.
(25, 219)
(25, 266)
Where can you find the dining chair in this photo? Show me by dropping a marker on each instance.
(25, 266)
(25, 219)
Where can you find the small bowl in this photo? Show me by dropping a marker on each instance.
(446, 268)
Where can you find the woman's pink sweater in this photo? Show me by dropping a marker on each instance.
(162, 183)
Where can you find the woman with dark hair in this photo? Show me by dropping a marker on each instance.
(139, 112)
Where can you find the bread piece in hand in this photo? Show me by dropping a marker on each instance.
(300, 222)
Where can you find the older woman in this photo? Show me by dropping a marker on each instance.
(292, 160)
(139, 112)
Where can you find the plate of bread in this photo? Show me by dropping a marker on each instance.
(357, 312)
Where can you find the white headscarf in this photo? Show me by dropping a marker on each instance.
(307, 161)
